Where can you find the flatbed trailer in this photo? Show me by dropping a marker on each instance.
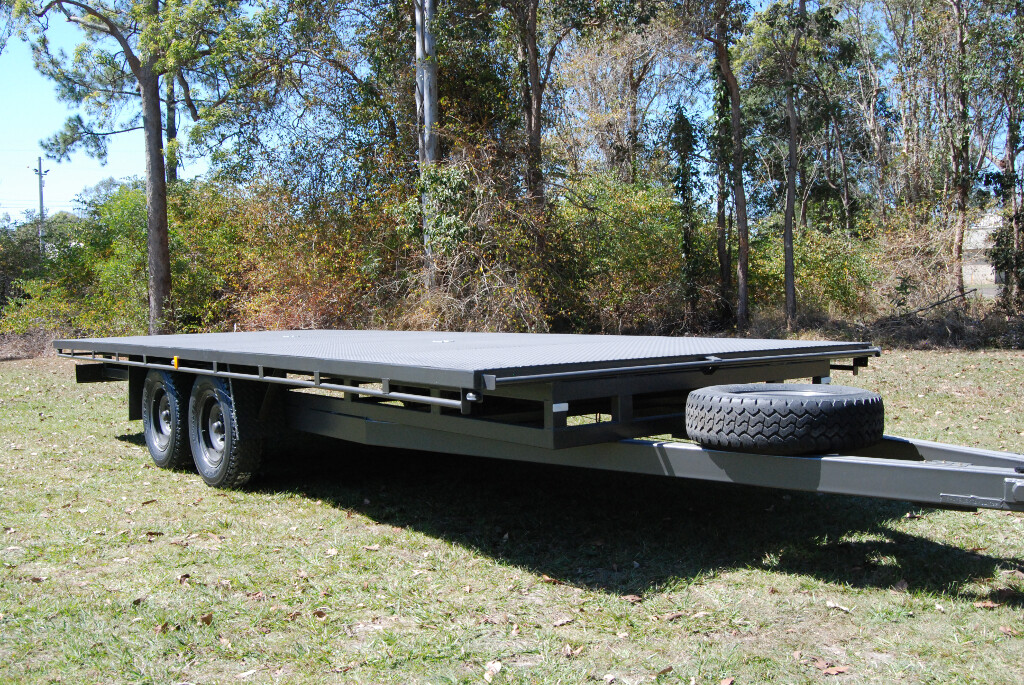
(578, 400)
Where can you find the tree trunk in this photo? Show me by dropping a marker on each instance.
(787, 230)
(427, 59)
(156, 202)
(427, 112)
(632, 122)
(739, 194)
(534, 99)
(844, 170)
(724, 258)
(721, 144)
(1012, 281)
(791, 166)
(960, 145)
(171, 128)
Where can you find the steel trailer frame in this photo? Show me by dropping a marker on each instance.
(523, 410)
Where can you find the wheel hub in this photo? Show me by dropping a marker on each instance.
(213, 432)
(163, 424)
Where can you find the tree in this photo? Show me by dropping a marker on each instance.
(426, 111)
(797, 76)
(6, 24)
(719, 136)
(211, 49)
(1006, 32)
(682, 144)
(718, 25)
(611, 92)
(783, 29)
(791, 55)
(540, 32)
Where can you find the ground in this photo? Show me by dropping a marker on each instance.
(351, 565)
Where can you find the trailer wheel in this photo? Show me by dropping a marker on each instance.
(163, 419)
(223, 428)
(784, 418)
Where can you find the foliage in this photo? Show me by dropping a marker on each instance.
(912, 258)
(19, 257)
(632, 240)
(575, 189)
(92, 279)
(834, 272)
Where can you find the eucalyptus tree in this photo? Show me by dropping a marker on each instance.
(1005, 21)
(540, 31)
(617, 92)
(718, 134)
(779, 37)
(869, 97)
(425, 12)
(958, 78)
(798, 67)
(213, 50)
(720, 23)
(942, 82)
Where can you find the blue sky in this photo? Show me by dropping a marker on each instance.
(30, 112)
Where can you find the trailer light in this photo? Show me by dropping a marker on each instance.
(175, 362)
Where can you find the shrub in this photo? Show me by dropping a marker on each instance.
(833, 272)
(638, 276)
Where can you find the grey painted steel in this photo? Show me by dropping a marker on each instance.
(904, 448)
(941, 483)
(555, 371)
(279, 380)
(710, 362)
(458, 360)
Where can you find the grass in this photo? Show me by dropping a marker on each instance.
(354, 565)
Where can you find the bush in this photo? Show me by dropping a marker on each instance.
(637, 274)
(93, 279)
(833, 272)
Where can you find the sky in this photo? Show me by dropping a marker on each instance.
(30, 112)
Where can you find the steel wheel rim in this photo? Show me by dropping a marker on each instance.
(161, 420)
(212, 432)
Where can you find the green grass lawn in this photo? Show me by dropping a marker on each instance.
(355, 565)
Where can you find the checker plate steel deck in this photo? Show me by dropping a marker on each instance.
(457, 360)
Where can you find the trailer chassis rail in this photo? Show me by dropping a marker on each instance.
(919, 471)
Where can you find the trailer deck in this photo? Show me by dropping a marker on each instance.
(559, 399)
(462, 360)
(520, 387)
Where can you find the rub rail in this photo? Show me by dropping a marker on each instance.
(461, 405)
(710, 363)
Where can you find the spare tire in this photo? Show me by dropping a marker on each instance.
(784, 418)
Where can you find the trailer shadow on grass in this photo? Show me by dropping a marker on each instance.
(631, 534)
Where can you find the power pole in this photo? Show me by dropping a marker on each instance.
(40, 173)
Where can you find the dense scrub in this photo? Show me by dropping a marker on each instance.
(610, 167)
(611, 259)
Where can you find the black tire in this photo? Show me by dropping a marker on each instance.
(223, 428)
(163, 419)
(784, 418)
